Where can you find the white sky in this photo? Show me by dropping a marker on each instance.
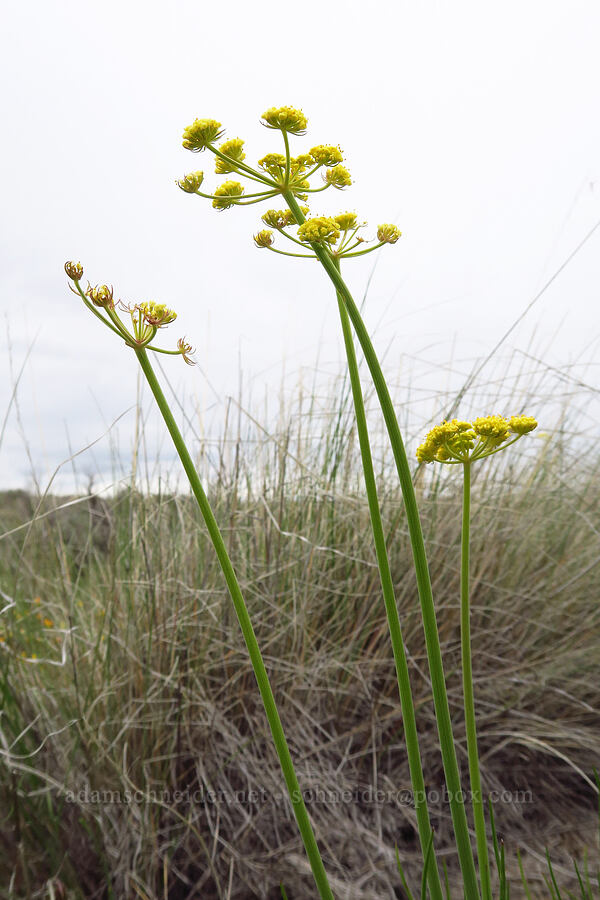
(474, 126)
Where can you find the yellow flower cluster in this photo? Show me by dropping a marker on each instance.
(101, 295)
(338, 177)
(286, 118)
(301, 163)
(227, 194)
(494, 427)
(326, 155)
(319, 230)
(388, 234)
(157, 313)
(191, 183)
(447, 439)
(522, 424)
(200, 133)
(74, 270)
(263, 238)
(233, 149)
(273, 163)
(459, 441)
(281, 218)
(346, 221)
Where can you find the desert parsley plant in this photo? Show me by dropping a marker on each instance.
(459, 443)
(294, 180)
(138, 324)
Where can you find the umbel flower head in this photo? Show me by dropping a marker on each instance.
(227, 194)
(319, 230)
(285, 118)
(192, 182)
(157, 313)
(285, 178)
(462, 442)
(264, 238)
(74, 270)
(338, 177)
(101, 295)
(232, 149)
(144, 318)
(201, 133)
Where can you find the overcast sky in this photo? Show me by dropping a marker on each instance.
(474, 126)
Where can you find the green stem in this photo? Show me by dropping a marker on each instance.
(387, 585)
(467, 673)
(260, 672)
(432, 641)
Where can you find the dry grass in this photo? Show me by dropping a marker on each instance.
(156, 694)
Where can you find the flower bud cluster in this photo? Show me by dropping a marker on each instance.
(281, 218)
(192, 182)
(201, 133)
(227, 194)
(145, 318)
(157, 313)
(459, 441)
(319, 230)
(101, 295)
(232, 149)
(338, 177)
(285, 118)
(74, 270)
(388, 234)
(286, 176)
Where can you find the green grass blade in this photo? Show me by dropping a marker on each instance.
(409, 893)
(523, 878)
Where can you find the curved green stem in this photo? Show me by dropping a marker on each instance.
(387, 586)
(242, 167)
(260, 672)
(467, 673)
(432, 641)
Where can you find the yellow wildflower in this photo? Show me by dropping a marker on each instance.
(191, 183)
(200, 133)
(338, 177)
(227, 194)
(388, 234)
(286, 118)
(319, 230)
(233, 149)
(263, 238)
(326, 155)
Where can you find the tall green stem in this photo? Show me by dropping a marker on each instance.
(387, 585)
(467, 673)
(432, 641)
(260, 672)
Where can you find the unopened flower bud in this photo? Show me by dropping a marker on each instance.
(74, 270)
(191, 183)
(263, 238)
(388, 234)
(101, 295)
(522, 424)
